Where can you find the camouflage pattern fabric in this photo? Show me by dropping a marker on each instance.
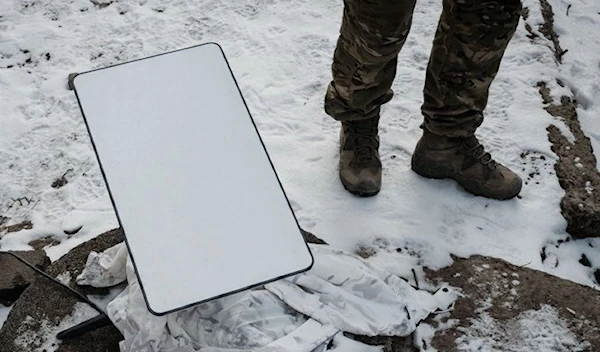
(342, 292)
(469, 44)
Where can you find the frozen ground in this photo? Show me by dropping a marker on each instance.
(280, 52)
(45, 338)
(533, 330)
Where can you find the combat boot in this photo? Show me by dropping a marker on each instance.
(464, 160)
(360, 166)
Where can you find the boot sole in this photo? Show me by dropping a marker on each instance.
(357, 191)
(443, 172)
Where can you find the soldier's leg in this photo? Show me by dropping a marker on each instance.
(469, 44)
(364, 66)
(364, 62)
(468, 47)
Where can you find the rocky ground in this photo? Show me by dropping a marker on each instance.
(577, 163)
(47, 304)
(501, 294)
(494, 292)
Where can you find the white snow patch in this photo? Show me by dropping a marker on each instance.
(569, 253)
(4, 311)
(577, 24)
(423, 336)
(94, 218)
(539, 330)
(65, 277)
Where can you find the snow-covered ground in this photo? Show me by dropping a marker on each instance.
(280, 52)
(576, 24)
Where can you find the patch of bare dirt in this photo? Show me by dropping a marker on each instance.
(525, 14)
(547, 29)
(310, 238)
(387, 343)
(576, 168)
(23, 225)
(365, 251)
(42, 243)
(504, 291)
(61, 181)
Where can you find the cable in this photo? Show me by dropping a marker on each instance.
(43, 273)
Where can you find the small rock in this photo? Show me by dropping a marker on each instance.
(23, 225)
(59, 182)
(43, 242)
(585, 261)
(16, 276)
(310, 238)
(73, 230)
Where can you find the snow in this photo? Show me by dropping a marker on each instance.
(538, 330)
(4, 311)
(576, 23)
(280, 52)
(94, 217)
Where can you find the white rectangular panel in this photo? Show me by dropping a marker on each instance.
(202, 209)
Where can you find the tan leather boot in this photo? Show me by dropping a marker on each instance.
(360, 166)
(464, 160)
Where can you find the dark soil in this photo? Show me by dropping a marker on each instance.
(389, 343)
(310, 238)
(504, 291)
(41, 243)
(23, 225)
(547, 29)
(576, 169)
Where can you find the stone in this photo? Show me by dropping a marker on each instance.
(16, 276)
(501, 292)
(44, 305)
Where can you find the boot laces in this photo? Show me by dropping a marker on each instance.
(476, 150)
(365, 141)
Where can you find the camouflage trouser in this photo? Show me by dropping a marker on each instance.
(468, 46)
